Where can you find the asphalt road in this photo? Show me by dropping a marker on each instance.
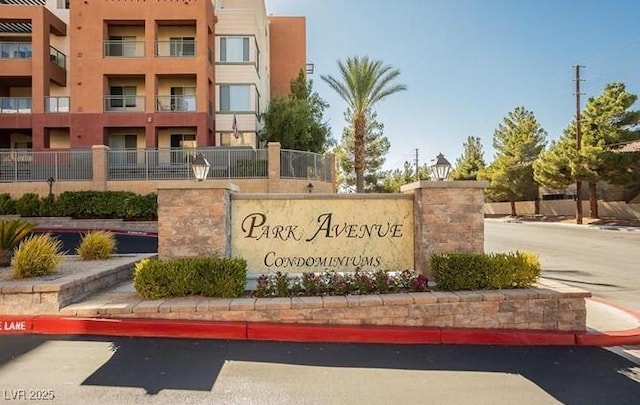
(163, 371)
(603, 261)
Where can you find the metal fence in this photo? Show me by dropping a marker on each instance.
(303, 165)
(24, 165)
(20, 165)
(175, 163)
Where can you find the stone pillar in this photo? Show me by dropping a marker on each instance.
(194, 219)
(448, 218)
(331, 161)
(273, 164)
(100, 159)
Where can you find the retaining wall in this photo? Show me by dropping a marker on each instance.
(42, 296)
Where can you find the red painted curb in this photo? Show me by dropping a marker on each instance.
(13, 325)
(306, 333)
(44, 229)
(627, 337)
(341, 333)
(614, 338)
(140, 328)
(507, 337)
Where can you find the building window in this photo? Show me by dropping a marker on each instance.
(234, 49)
(63, 4)
(23, 145)
(235, 97)
(122, 96)
(182, 148)
(182, 46)
(122, 46)
(124, 149)
(183, 99)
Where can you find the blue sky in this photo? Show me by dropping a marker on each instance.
(467, 63)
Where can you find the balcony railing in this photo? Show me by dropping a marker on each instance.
(176, 103)
(175, 163)
(124, 103)
(56, 104)
(18, 165)
(178, 48)
(15, 50)
(299, 164)
(124, 48)
(15, 105)
(57, 57)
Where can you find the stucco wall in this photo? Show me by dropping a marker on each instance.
(614, 209)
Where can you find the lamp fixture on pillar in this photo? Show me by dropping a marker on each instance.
(310, 188)
(200, 167)
(440, 167)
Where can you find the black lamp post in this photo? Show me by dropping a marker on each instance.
(50, 181)
(310, 188)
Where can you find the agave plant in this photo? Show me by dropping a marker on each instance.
(11, 233)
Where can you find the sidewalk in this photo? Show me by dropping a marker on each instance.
(598, 223)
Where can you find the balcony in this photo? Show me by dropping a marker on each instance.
(124, 103)
(124, 48)
(15, 105)
(177, 48)
(56, 104)
(15, 50)
(175, 103)
(57, 57)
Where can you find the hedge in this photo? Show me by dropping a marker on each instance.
(205, 276)
(469, 271)
(84, 204)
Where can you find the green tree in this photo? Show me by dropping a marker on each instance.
(362, 84)
(471, 161)
(394, 179)
(377, 146)
(518, 141)
(605, 120)
(297, 121)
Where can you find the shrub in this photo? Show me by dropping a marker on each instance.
(206, 276)
(11, 233)
(107, 204)
(97, 245)
(37, 256)
(334, 283)
(7, 204)
(468, 271)
(29, 205)
(459, 271)
(141, 207)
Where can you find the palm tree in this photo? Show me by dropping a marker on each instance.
(362, 84)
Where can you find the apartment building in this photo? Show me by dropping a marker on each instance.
(163, 74)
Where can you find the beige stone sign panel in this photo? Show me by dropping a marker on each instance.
(304, 234)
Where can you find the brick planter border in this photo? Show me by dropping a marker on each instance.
(550, 306)
(48, 296)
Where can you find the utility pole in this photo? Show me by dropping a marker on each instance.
(578, 147)
(417, 167)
